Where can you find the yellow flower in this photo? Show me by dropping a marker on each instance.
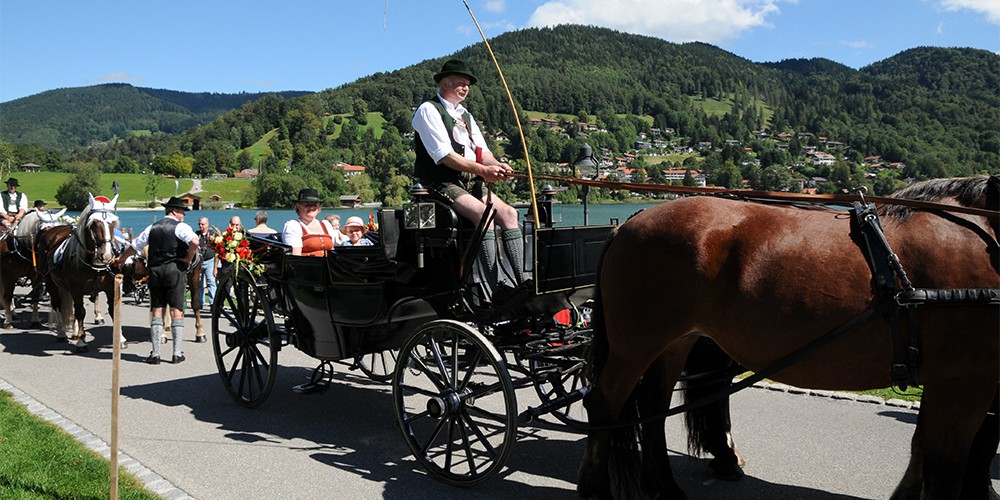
(237, 236)
(230, 257)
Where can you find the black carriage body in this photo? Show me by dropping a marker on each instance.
(360, 300)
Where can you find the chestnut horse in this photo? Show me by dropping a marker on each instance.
(763, 281)
(74, 261)
(18, 259)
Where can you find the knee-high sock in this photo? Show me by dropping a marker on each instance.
(513, 245)
(177, 329)
(155, 332)
(488, 253)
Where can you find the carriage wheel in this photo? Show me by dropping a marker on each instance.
(244, 339)
(378, 366)
(561, 374)
(455, 403)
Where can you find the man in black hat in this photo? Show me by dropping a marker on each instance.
(40, 206)
(172, 248)
(454, 163)
(13, 204)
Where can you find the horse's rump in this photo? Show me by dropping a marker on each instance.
(768, 279)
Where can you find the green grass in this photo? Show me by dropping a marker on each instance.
(41, 461)
(911, 394)
(43, 185)
(227, 189)
(718, 108)
(256, 150)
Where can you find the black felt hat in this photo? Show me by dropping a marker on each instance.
(12, 182)
(39, 203)
(175, 202)
(455, 67)
(309, 194)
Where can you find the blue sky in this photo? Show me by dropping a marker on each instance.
(261, 46)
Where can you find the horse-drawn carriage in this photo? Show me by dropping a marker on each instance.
(460, 357)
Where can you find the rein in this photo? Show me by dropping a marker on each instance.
(826, 199)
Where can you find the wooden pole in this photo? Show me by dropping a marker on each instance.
(115, 387)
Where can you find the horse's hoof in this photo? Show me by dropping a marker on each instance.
(82, 349)
(8, 326)
(727, 471)
(98, 321)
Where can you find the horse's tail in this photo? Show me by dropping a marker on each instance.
(707, 425)
(624, 456)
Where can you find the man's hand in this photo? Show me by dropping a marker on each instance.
(497, 172)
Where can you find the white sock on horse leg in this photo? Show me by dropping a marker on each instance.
(155, 332)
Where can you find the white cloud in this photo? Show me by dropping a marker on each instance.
(990, 8)
(856, 44)
(709, 21)
(118, 77)
(495, 5)
(940, 29)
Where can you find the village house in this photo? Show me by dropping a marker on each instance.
(247, 173)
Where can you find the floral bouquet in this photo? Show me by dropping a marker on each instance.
(233, 247)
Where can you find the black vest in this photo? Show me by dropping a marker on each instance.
(164, 245)
(425, 169)
(5, 197)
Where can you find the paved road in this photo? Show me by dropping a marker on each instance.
(179, 424)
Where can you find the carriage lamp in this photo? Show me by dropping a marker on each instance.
(545, 205)
(585, 166)
(419, 214)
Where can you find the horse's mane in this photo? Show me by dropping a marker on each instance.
(29, 225)
(965, 190)
(81, 223)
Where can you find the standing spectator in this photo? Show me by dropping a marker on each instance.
(208, 264)
(13, 204)
(260, 224)
(172, 248)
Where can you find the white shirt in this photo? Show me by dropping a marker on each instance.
(182, 231)
(15, 205)
(429, 125)
(291, 234)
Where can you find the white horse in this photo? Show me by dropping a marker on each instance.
(21, 260)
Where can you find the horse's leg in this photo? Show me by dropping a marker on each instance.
(653, 398)
(79, 314)
(984, 448)
(949, 421)
(604, 404)
(96, 299)
(7, 304)
(194, 281)
(709, 426)
(57, 315)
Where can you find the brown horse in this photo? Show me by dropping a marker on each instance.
(74, 261)
(763, 281)
(18, 259)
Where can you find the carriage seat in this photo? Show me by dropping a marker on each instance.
(376, 263)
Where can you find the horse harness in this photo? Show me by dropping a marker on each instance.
(894, 292)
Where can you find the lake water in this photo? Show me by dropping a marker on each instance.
(564, 215)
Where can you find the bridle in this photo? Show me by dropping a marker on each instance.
(107, 218)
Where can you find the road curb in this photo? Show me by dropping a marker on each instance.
(151, 480)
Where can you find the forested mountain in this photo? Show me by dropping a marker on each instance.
(934, 112)
(67, 118)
